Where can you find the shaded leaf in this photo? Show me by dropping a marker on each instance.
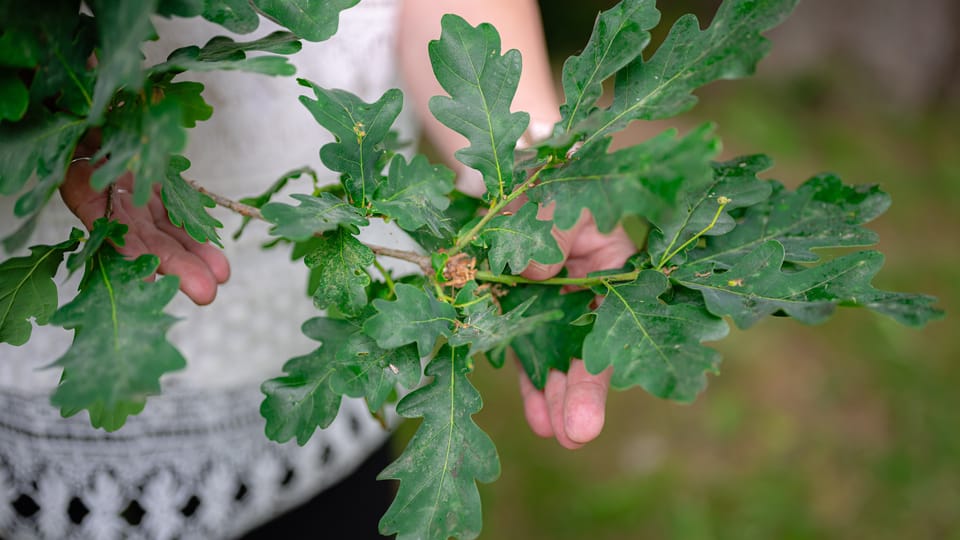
(103, 230)
(222, 53)
(735, 181)
(444, 460)
(688, 58)
(14, 97)
(416, 316)
(313, 20)
(301, 401)
(481, 84)
(188, 95)
(27, 289)
(552, 344)
(757, 286)
(484, 328)
(519, 238)
(644, 179)
(140, 139)
(822, 213)
(360, 129)
(415, 195)
(186, 207)
(122, 28)
(340, 263)
(619, 35)
(119, 350)
(653, 344)
(312, 216)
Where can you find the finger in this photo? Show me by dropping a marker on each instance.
(196, 279)
(211, 255)
(535, 407)
(554, 392)
(584, 403)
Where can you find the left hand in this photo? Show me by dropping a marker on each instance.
(571, 407)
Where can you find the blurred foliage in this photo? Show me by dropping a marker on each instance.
(840, 431)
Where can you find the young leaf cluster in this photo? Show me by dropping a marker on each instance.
(723, 244)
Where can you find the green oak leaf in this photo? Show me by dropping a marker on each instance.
(189, 95)
(312, 20)
(645, 179)
(119, 349)
(519, 238)
(756, 286)
(415, 195)
(821, 213)
(484, 328)
(734, 181)
(552, 344)
(444, 460)
(360, 129)
(481, 84)
(186, 207)
(140, 139)
(40, 143)
(340, 262)
(416, 316)
(122, 28)
(180, 8)
(313, 216)
(234, 15)
(653, 344)
(364, 369)
(662, 86)
(223, 53)
(619, 36)
(103, 230)
(301, 401)
(27, 289)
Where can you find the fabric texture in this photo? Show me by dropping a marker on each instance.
(196, 463)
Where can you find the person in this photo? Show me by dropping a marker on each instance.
(195, 463)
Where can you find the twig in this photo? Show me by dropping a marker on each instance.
(422, 261)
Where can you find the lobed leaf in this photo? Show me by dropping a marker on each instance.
(688, 58)
(222, 53)
(103, 230)
(360, 129)
(364, 369)
(416, 316)
(821, 213)
(651, 343)
(340, 261)
(27, 289)
(415, 195)
(119, 349)
(645, 179)
(314, 215)
(481, 83)
(757, 286)
(444, 460)
(734, 181)
(296, 404)
(234, 15)
(484, 328)
(519, 238)
(186, 207)
(619, 36)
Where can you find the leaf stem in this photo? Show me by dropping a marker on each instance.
(507, 279)
(724, 201)
(494, 211)
(386, 277)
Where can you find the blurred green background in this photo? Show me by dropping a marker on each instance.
(849, 430)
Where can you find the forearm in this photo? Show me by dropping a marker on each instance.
(519, 25)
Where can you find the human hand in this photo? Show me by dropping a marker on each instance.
(201, 267)
(571, 407)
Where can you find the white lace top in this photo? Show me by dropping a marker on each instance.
(196, 463)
